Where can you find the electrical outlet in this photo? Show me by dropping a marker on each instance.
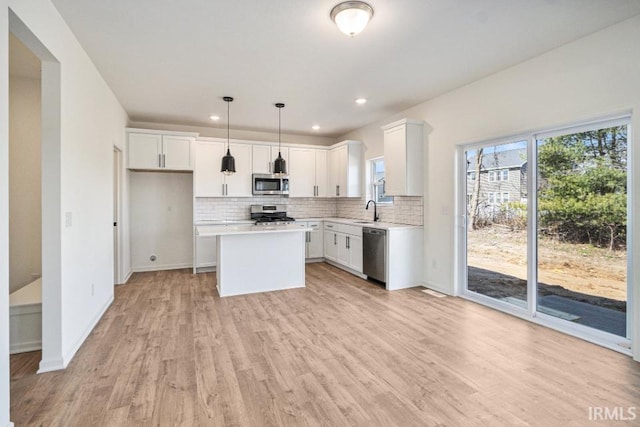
(93, 290)
(433, 263)
(68, 219)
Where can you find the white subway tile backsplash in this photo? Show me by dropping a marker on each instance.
(404, 210)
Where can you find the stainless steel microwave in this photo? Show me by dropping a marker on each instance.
(269, 184)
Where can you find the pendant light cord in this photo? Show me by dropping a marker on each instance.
(279, 129)
(228, 120)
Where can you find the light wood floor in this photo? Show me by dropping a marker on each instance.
(342, 351)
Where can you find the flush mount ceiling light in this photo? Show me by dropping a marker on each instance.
(280, 165)
(361, 101)
(214, 118)
(351, 16)
(228, 166)
(315, 127)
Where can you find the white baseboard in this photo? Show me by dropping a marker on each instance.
(438, 288)
(10, 424)
(126, 279)
(24, 347)
(347, 269)
(51, 365)
(163, 267)
(57, 364)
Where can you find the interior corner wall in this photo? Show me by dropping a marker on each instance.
(4, 214)
(25, 238)
(592, 77)
(92, 121)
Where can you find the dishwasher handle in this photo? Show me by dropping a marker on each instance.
(373, 231)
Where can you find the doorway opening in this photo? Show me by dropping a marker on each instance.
(49, 143)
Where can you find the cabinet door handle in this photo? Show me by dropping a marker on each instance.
(335, 239)
(347, 242)
(159, 160)
(223, 189)
(164, 161)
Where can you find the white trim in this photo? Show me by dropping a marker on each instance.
(127, 277)
(163, 132)
(163, 267)
(57, 364)
(403, 122)
(603, 123)
(25, 347)
(347, 269)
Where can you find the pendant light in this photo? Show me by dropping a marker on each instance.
(228, 162)
(280, 165)
(351, 16)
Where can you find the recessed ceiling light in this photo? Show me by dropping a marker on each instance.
(214, 118)
(361, 101)
(315, 127)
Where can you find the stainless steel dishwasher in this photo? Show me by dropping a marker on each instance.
(374, 253)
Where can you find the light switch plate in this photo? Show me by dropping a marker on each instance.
(68, 219)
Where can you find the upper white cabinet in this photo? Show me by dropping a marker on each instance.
(153, 150)
(307, 172)
(344, 170)
(209, 181)
(239, 184)
(403, 158)
(265, 155)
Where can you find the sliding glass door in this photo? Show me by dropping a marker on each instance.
(496, 214)
(582, 227)
(545, 227)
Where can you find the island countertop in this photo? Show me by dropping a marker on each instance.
(224, 230)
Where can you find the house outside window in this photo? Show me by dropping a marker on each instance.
(497, 197)
(499, 175)
(378, 182)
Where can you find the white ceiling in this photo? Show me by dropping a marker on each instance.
(172, 61)
(22, 62)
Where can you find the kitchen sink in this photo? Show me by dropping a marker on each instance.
(363, 222)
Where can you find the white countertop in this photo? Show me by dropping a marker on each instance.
(366, 223)
(348, 221)
(228, 229)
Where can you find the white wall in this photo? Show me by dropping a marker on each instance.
(91, 121)
(161, 220)
(591, 77)
(25, 238)
(4, 214)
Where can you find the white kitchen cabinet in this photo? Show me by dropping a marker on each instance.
(307, 172)
(343, 245)
(330, 245)
(403, 158)
(344, 170)
(208, 181)
(154, 151)
(355, 253)
(314, 241)
(322, 188)
(206, 251)
(239, 183)
(265, 155)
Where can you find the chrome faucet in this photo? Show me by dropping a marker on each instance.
(376, 217)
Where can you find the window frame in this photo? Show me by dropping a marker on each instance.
(374, 185)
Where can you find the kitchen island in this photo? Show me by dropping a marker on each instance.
(253, 258)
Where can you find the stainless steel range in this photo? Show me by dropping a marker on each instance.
(270, 215)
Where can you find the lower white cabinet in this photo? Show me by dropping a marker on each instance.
(206, 251)
(314, 246)
(343, 245)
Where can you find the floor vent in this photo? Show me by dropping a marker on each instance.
(433, 293)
